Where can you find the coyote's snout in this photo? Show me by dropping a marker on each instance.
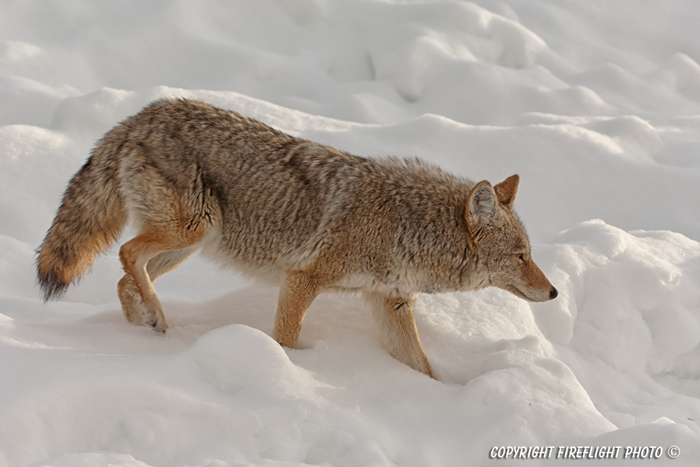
(308, 217)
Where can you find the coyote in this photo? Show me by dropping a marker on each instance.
(298, 214)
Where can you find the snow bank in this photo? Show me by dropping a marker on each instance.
(576, 370)
(595, 104)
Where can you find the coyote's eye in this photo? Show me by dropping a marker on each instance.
(521, 257)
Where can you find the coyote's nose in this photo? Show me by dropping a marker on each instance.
(553, 294)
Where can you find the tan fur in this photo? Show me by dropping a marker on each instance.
(395, 317)
(288, 211)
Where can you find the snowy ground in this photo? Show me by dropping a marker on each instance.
(595, 103)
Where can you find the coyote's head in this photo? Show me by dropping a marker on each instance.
(502, 246)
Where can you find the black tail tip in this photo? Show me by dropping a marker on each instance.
(553, 294)
(52, 287)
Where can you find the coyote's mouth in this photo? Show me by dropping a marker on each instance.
(518, 293)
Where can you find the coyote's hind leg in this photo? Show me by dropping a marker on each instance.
(166, 249)
(174, 210)
(129, 295)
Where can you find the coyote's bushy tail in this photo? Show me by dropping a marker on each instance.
(90, 218)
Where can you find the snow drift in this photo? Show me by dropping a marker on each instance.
(595, 104)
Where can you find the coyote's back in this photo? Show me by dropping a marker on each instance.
(308, 217)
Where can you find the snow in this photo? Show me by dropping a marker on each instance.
(596, 104)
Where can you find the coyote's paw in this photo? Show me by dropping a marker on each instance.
(157, 324)
(132, 303)
(134, 308)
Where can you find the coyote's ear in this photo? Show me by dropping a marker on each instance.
(481, 206)
(507, 189)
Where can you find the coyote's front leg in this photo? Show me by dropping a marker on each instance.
(395, 317)
(297, 291)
